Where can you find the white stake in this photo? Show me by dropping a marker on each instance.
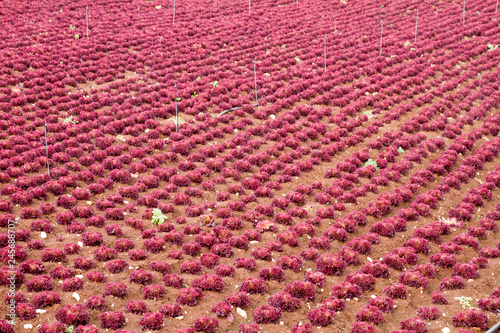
(249, 4)
(325, 54)
(496, 8)
(381, 27)
(463, 14)
(173, 20)
(47, 150)
(176, 112)
(416, 26)
(255, 80)
(87, 17)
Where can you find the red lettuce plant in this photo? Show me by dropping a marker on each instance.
(171, 310)
(316, 278)
(330, 265)
(39, 283)
(73, 315)
(363, 327)
(117, 266)
(396, 290)
(453, 283)
(443, 259)
(153, 291)
(209, 282)
(222, 309)
(136, 307)
(249, 328)
(224, 270)
(240, 242)
(413, 324)
(112, 319)
(141, 276)
(370, 314)
(137, 255)
(253, 286)
(55, 327)
(32, 266)
(116, 289)
(206, 324)
(262, 253)
(284, 301)
(472, 318)
(189, 296)
(192, 248)
(104, 253)
(321, 316)
(272, 273)
(491, 304)
(222, 250)
(239, 299)
(385, 304)
(25, 311)
(151, 321)
(46, 299)
(62, 273)
(247, 263)
(72, 284)
(413, 279)
(301, 328)
(191, 267)
(438, 297)
(173, 280)
(162, 267)
(427, 270)
(346, 290)
(266, 314)
(52, 255)
(92, 238)
(467, 271)
(428, 313)
(377, 269)
(292, 262)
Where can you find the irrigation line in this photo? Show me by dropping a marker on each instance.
(325, 54)
(173, 19)
(47, 150)
(255, 80)
(87, 18)
(463, 14)
(416, 26)
(494, 328)
(176, 112)
(233, 109)
(381, 27)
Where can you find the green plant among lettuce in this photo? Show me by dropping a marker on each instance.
(465, 302)
(371, 162)
(158, 217)
(70, 120)
(492, 47)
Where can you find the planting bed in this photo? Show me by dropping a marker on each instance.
(359, 194)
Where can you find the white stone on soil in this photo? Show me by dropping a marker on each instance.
(241, 312)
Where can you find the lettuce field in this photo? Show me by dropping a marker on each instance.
(264, 166)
